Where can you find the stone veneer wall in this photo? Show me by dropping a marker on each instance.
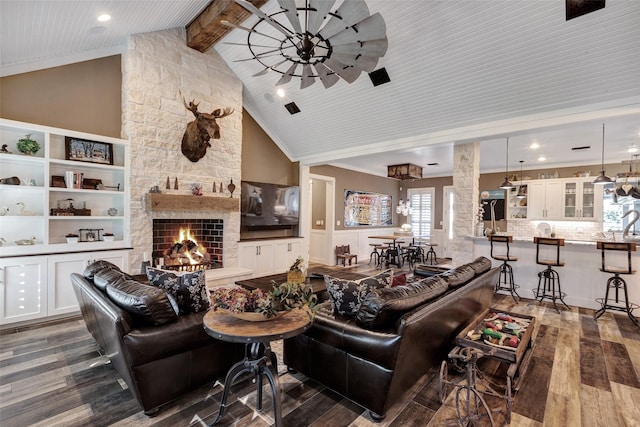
(156, 67)
(466, 184)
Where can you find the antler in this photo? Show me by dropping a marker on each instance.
(217, 114)
(193, 107)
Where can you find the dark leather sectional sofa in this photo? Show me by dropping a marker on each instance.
(397, 336)
(159, 354)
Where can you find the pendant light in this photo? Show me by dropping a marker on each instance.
(521, 193)
(602, 178)
(507, 185)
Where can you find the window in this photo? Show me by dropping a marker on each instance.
(421, 217)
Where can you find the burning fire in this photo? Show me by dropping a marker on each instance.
(186, 250)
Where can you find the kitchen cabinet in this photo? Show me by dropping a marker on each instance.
(545, 199)
(581, 200)
(37, 206)
(518, 201)
(266, 257)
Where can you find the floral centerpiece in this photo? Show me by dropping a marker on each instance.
(265, 305)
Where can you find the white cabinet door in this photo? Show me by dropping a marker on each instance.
(264, 259)
(285, 254)
(60, 296)
(545, 200)
(582, 200)
(24, 289)
(247, 256)
(256, 257)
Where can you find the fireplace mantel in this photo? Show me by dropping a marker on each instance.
(188, 203)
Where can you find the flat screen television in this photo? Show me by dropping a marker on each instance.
(264, 205)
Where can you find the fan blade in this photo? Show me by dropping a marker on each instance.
(291, 12)
(273, 67)
(326, 76)
(349, 13)
(372, 28)
(252, 45)
(347, 73)
(322, 8)
(307, 77)
(366, 63)
(256, 57)
(249, 30)
(261, 73)
(370, 48)
(286, 77)
(260, 14)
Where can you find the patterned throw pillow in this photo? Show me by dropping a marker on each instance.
(347, 295)
(188, 288)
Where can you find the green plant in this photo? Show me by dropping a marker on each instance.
(27, 145)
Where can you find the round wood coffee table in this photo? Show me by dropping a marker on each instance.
(258, 359)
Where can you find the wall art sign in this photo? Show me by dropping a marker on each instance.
(84, 150)
(363, 208)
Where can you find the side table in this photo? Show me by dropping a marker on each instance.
(259, 360)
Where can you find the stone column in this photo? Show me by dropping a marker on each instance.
(466, 176)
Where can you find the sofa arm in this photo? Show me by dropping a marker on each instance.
(105, 320)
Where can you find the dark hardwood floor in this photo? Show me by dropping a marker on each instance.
(582, 373)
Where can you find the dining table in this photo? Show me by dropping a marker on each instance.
(394, 251)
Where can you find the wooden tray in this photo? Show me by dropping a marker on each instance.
(509, 356)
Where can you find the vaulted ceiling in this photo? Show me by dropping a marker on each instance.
(460, 71)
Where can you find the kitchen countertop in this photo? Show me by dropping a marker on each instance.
(530, 240)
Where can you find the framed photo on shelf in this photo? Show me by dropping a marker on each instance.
(84, 150)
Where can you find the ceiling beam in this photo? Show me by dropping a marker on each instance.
(206, 30)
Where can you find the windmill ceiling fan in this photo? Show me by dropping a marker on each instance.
(310, 41)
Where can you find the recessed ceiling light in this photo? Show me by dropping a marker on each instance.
(534, 146)
(632, 148)
(104, 17)
(542, 158)
(280, 92)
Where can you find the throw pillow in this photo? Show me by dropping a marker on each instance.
(347, 295)
(399, 280)
(188, 288)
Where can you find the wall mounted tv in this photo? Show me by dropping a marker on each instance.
(264, 205)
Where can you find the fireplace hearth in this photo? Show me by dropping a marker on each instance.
(188, 244)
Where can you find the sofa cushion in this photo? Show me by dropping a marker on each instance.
(382, 308)
(188, 288)
(101, 278)
(145, 302)
(480, 265)
(347, 295)
(96, 266)
(459, 275)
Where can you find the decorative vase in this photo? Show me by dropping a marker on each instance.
(479, 229)
(231, 187)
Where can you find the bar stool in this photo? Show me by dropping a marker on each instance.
(430, 256)
(616, 281)
(375, 255)
(548, 279)
(505, 279)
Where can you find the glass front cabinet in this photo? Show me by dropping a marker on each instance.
(581, 200)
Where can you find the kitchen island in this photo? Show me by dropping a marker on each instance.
(581, 278)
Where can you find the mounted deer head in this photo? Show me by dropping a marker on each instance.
(196, 138)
